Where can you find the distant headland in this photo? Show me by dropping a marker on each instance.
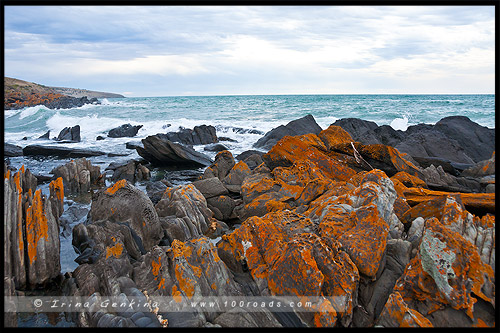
(19, 94)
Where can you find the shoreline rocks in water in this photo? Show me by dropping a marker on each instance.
(320, 215)
(160, 151)
(126, 130)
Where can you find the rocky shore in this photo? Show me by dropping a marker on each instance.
(385, 228)
(19, 94)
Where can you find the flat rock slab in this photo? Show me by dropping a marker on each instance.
(59, 151)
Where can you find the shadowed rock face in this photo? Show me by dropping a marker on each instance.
(300, 126)
(124, 203)
(456, 138)
(163, 152)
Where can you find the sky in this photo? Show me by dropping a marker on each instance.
(246, 50)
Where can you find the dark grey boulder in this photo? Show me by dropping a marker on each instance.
(304, 125)
(163, 152)
(199, 135)
(477, 141)
(431, 143)
(360, 130)
(70, 134)
(125, 130)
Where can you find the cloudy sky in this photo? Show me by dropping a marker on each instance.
(225, 50)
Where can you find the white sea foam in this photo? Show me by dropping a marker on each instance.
(400, 123)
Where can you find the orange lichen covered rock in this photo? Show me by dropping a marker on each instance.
(223, 163)
(447, 272)
(285, 255)
(366, 241)
(307, 147)
(31, 231)
(198, 270)
(334, 135)
(377, 156)
(484, 202)
(409, 180)
(426, 209)
(235, 177)
(396, 313)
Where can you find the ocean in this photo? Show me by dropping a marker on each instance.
(241, 118)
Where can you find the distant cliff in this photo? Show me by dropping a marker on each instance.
(19, 94)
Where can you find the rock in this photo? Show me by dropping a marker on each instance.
(78, 175)
(239, 318)
(10, 150)
(377, 156)
(199, 135)
(304, 125)
(309, 146)
(210, 187)
(31, 230)
(444, 274)
(132, 171)
(132, 145)
(477, 141)
(224, 205)
(247, 153)
(217, 147)
(124, 203)
(428, 142)
(188, 204)
(438, 179)
(236, 176)
(446, 165)
(478, 231)
(284, 256)
(396, 313)
(155, 190)
(99, 137)
(333, 136)
(46, 136)
(125, 130)
(478, 203)
(69, 134)
(63, 152)
(251, 160)
(225, 138)
(481, 169)
(409, 180)
(386, 135)
(166, 153)
(224, 162)
(442, 140)
(360, 130)
(373, 295)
